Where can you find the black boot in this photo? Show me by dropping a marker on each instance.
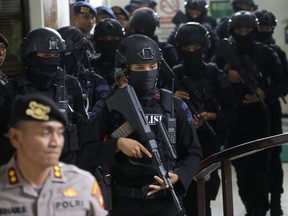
(275, 205)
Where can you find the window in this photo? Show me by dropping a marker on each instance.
(14, 20)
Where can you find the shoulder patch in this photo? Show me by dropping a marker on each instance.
(96, 192)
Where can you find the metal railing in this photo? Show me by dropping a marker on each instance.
(223, 160)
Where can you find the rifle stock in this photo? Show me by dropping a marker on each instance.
(126, 102)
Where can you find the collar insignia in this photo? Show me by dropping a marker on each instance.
(57, 172)
(38, 111)
(70, 192)
(12, 176)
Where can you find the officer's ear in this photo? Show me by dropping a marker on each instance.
(14, 135)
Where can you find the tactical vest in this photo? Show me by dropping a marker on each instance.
(154, 111)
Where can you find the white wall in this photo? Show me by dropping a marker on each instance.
(37, 14)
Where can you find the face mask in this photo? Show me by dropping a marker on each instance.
(47, 64)
(265, 37)
(246, 39)
(42, 71)
(148, 32)
(245, 43)
(193, 59)
(144, 83)
(107, 48)
(69, 62)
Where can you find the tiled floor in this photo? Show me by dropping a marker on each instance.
(217, 205)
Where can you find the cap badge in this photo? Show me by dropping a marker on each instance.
(38, 111)
(84, 10)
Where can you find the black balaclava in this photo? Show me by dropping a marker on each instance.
(144, 83)
(265, 37)
(244, 43)
(107, 49)
(193, 59)
(42, 71)
(150, 32)
(198, 19)
(72, 62)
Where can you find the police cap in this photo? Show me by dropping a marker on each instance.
(120, 11)
(104, 10)
(3, 40)
(83, 7)
(35, 107)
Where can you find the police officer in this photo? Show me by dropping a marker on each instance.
(134, 189)
(144, 21)
(213, 95)
(41, 49)
(108, 34)
(237, 5)
(257, 81)
(34, 182)
(196, 11)
(104, 12)
(93, 85)
(123, 16)
(84, 18)
(267, 24)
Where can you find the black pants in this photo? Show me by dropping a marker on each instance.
(190, 201)
(163, 206)
(252, 171)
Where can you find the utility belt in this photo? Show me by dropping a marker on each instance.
(138, 193)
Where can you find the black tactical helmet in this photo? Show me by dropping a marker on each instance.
(74, 39)
(42, 40)
(242, 19)
(266, 18)
(200, 5)
(193, 33)
(251, 3)
(137, 49)
(144, 18)
(109, 27)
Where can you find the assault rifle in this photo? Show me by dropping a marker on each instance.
(125, 101)
(71, 139)
(195, 102)
(243, 65)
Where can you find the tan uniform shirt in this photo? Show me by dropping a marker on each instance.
(67, 191)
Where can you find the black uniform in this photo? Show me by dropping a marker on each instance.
(208, 21)
(94, 86)
(211, 92)
(268, 19)
(23, 85)
(130, 181)
(104, 65)
(44, 75)
(145, 21)
(254, 119)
